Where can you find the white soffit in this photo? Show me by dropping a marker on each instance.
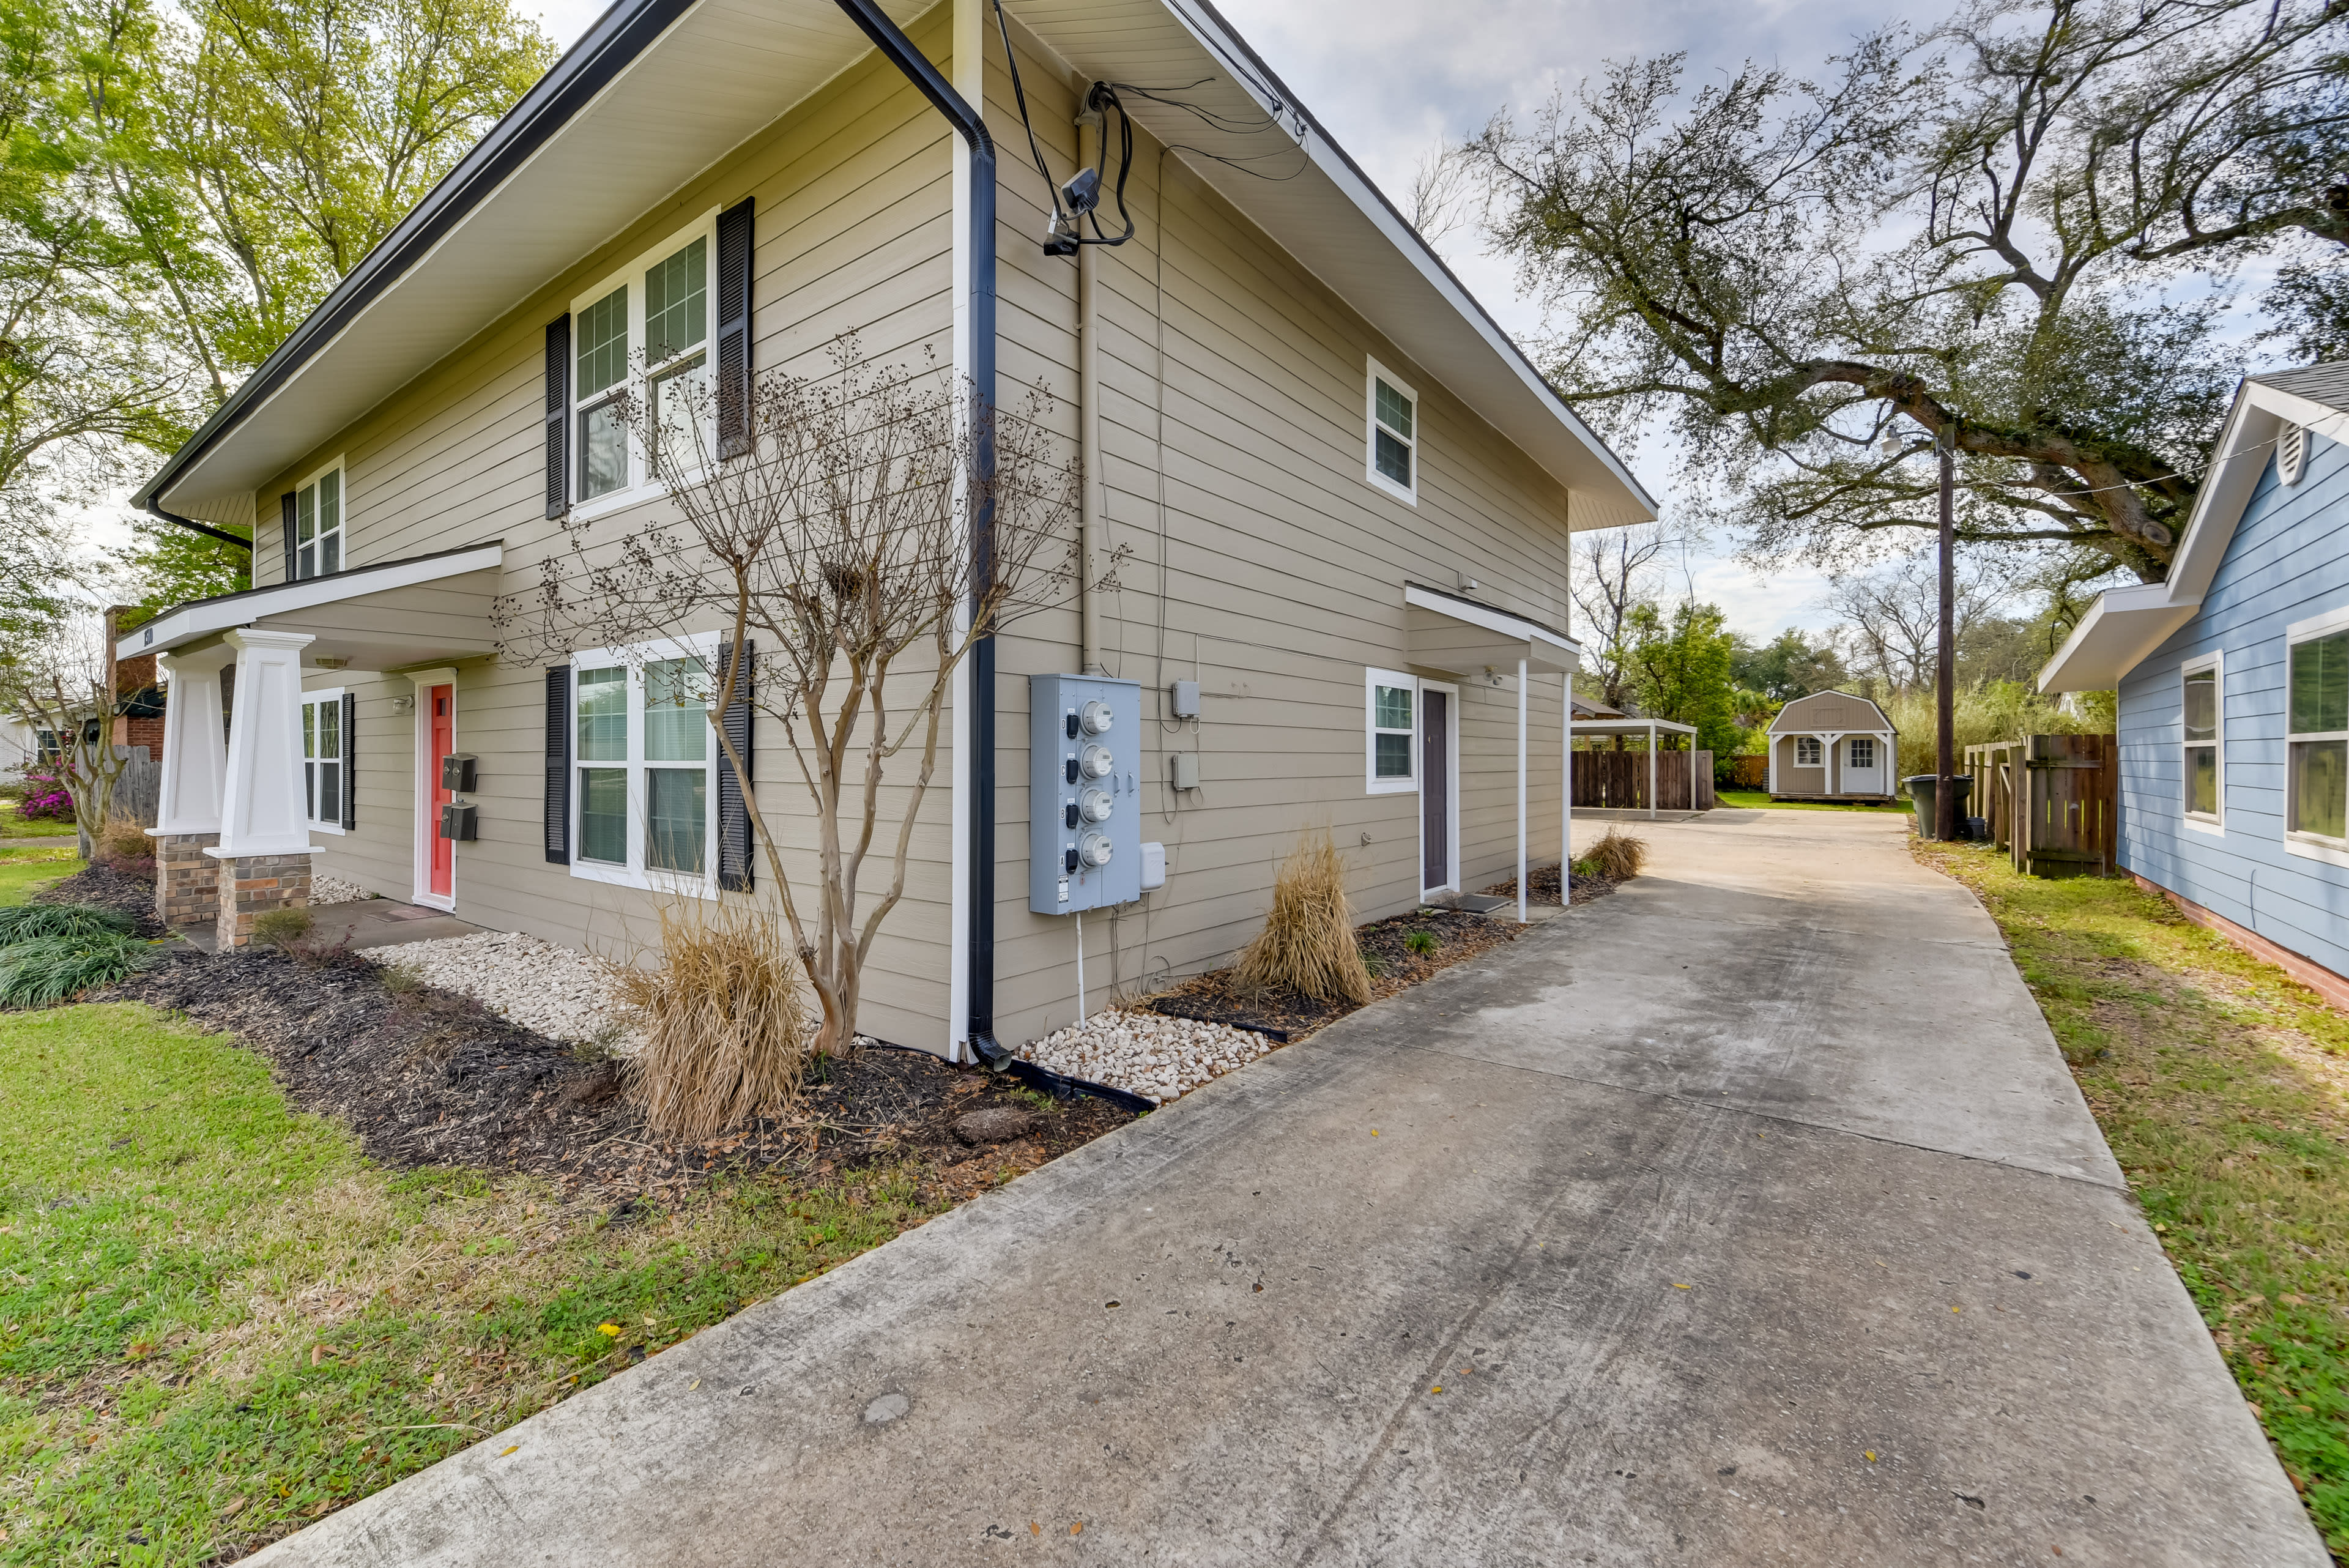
(1326, 213)
(720, 73)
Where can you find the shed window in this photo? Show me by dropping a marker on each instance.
(1863, 753)
(2318, 777)
(1807, 752)
(1393, 435)
(1392, 709)
(2201, 756)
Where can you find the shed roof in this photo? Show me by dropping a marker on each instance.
(658, 90)
(1836, 711)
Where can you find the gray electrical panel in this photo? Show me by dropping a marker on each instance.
(1084, 793)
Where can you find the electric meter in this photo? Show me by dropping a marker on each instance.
(1086, 740)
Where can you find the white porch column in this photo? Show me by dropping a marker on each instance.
(1521, 791)
(1652, 770)
(1566, 805)
(262, 810)
(195, 752)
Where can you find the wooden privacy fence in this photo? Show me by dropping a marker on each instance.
(1749, 773)
(1618, 781)
(2050, 801)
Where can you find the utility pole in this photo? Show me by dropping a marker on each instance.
(1945, 790)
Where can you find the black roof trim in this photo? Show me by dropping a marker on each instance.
(618, 37)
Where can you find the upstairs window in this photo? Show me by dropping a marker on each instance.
(1393, 435)
(318, 525)
(645, 334)
(2202, 749)
(2317, 770)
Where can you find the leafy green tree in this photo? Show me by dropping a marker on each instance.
(1788, 665)
(2044, 170)
(1680, 669)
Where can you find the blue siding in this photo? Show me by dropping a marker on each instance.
(2288, 561)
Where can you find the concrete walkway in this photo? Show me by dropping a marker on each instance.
(1748, 1215)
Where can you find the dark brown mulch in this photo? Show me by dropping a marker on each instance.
(1217, 997)
(104, 886)
(1541, 887)
(428, 1078)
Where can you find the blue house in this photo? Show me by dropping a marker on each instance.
(2234, 686)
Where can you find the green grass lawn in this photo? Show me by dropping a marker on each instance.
(15, 826)
(1751, 798)
(24, 872)
(218, 1321)
(2223, 1089)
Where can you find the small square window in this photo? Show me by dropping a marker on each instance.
(1863, 753)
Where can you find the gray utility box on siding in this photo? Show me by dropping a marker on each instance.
(1084, 793)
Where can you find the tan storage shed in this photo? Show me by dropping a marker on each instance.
(1832, 745)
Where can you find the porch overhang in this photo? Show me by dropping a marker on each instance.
(1466, 636)
(390, 615)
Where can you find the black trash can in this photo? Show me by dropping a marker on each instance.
(1922, 788)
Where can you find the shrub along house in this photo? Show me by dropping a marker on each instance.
(1301, 436)
(2233, 679)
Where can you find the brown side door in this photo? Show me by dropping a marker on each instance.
(1435, 788)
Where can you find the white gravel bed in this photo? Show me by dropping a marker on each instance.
(325, 889)
(1146, 1054)
(560, 991)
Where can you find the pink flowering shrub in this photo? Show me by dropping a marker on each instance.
(45, 798)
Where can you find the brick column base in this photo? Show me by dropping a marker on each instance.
(187, 881)
(252, 885)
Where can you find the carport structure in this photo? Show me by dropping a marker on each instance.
(1654, 729)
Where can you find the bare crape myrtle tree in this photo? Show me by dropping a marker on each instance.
(844, 531)
(58, 682)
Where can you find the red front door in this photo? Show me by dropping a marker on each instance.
(444, 741)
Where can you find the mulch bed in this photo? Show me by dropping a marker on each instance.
(109, 889)
(1541, 887)
(428, 1078)
(1218, 998)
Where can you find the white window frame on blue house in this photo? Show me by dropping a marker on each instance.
(2308, 845)
(2212, 664)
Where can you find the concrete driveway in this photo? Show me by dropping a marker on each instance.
(1748, 1215)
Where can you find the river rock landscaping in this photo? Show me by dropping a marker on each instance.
(1148, 1054)
(559, 991)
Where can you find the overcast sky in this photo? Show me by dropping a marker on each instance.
(1392, 81)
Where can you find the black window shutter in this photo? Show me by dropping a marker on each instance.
(734, 858)
(350, 760)
(734, 247)
(558, 416)
(285, 505)
(558, 765)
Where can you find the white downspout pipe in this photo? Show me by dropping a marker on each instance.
(1521, 791)
(1566, 806)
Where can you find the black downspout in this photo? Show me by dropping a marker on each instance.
(917, 69)
(204, 528)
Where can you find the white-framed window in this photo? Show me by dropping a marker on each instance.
(645, 332)
(2202, 752)
(1863, 753)
(1807, 752)
(324, 775)
(1393, 434)
(1391, 732)
(645, 766)
(318, 523)
(2316, 702)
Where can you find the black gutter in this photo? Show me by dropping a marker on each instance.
(972, 129)
(204, 528)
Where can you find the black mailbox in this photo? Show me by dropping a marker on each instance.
(457, 822)
(457, 773)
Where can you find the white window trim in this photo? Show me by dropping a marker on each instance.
(331, 694)
(641, 487)
(2215, 663)
(342, 517)
(1372, 680)
(1820, 761)
(635, 874)
(1408, 494)
(2308, 845)
(1851, 758)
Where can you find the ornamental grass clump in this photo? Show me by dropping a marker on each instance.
(723, 1020)
(1618, 857)
(1307, 941)
(29, 923)
(50, 970)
